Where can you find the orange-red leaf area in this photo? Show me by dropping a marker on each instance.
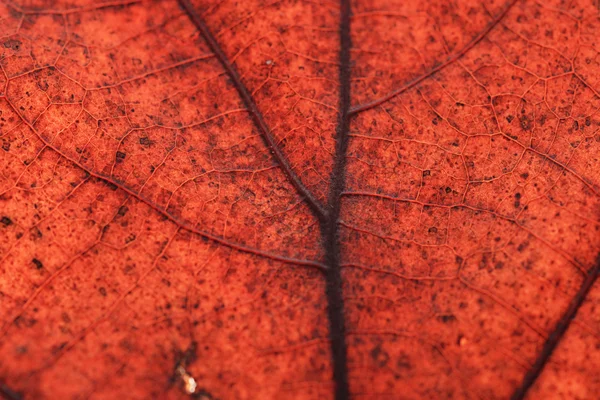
(149, 221)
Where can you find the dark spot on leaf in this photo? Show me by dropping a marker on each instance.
(446, 318)
(381, 357)
(525, 122)
(12, 44)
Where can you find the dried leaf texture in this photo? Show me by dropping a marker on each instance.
(147, 217)
(297, 199)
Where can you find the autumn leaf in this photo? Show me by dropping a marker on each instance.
(291, 199)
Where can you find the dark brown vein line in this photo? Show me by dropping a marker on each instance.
(163, 212)
(558, 332)
(257, 116)
(330, 227)
(9, 394)
(367, 106)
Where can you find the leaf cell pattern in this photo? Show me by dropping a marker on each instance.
(299, 199)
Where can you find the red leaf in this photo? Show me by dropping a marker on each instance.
(254, 200)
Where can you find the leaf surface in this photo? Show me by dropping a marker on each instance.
(294, 199)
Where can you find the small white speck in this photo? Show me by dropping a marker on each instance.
(189, 383)
(269, 62)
